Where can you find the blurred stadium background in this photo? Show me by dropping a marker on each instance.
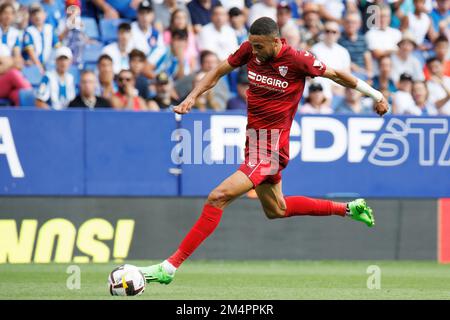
(106, 186)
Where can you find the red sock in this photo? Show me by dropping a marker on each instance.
(303, 206)
(205, 225)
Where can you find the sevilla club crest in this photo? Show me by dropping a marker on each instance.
(283, 70)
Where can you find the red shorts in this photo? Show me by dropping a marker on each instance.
(266, 155)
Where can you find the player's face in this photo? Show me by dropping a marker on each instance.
(263, 46)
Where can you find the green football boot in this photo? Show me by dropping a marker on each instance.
(360, 211)
(156, 273)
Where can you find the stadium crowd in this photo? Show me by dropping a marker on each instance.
(147, 55)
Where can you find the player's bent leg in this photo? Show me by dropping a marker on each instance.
(231, 188)
(275, 205)
(272, 200)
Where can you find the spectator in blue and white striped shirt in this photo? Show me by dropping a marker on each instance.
(39, 39)
(57, 87)
(9, 35)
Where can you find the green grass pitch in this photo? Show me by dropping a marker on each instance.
(240, 280)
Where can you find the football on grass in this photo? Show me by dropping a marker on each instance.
(126, 280)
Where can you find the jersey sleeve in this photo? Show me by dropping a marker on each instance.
(43, 92)
(308, 65)
(241, 56)
(27, 40)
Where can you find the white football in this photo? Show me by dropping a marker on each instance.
(126, 280)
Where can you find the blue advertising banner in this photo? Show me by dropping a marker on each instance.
(333, 156)
(41, 153)
(109, 153)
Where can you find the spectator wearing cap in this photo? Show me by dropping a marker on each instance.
(201, 11)
(175, 62)
(9, 35)
(316, 102)
(106, 85)
(239, 102)
(137, 64)
(237, 22)
(39, 38)
(442, 53)
(284, 15)
(402, 100)
(418, 23)
(165, 10)
(208, 61)
(87, 98)
(404, 61)
(262, 8)
(179, 21)
(438, 86)
(312, 27)
(355, 43)
(163, 99)
(12, 81)
(127, 96)
(120, 50)
(145, 36)
(353, 104)
(218, 36)
(332, 54)
(57, 87)
(382, 40)
(440, 17)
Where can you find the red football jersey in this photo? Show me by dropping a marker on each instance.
(276, 86)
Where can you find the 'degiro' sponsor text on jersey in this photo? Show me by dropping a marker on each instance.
(276, 86)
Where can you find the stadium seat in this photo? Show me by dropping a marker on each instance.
(108, 29)
(33, 75)
(91, 53)
(91, 28)
(26, 98)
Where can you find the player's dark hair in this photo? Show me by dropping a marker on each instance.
(124, 26)
(104, 57)
(264, 26)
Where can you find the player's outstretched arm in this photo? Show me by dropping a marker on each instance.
(208, 81)
(347, 80)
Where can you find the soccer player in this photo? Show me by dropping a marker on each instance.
(276, 74)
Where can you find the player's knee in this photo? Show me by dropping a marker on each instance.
(219, 197)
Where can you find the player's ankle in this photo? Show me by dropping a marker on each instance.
(168, 267)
